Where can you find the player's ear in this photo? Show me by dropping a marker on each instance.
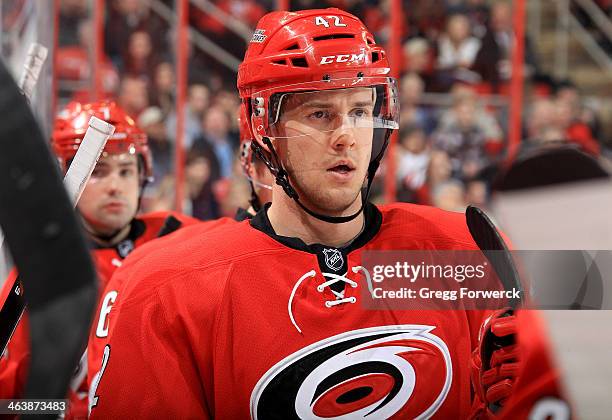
(252, 170)
(258, 133)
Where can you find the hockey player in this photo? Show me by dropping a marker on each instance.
(259, 180)
(263, 319)
(108, 207)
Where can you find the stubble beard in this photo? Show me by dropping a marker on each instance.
(321, 198)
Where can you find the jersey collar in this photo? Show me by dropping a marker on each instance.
(373, 221)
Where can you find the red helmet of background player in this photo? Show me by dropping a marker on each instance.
(311, 51)
(71, 125)
(247, 158)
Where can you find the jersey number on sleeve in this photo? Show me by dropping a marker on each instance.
(93, 398)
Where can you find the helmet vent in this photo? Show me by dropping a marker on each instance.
(334, 36)
(375, 57)
(299, 62)
(280, 62)
(292, 47)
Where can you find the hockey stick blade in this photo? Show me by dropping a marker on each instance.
(86, 157)
(489, 240)
(46, 243)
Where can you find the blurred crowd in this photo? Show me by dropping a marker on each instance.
(453, 88)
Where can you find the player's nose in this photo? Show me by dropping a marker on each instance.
(113, 183)
(344, 136)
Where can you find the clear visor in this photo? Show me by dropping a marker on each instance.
(356, 106)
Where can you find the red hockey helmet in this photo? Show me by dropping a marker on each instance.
(247, 157)
(71, 125)
(309, 51)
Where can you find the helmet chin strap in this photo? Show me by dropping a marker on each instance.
(282, 178)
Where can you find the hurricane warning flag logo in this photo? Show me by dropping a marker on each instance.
(371, 373)
(333, 258)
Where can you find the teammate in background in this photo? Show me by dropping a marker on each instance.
(263, 319)
(259, 177)
(108, 206)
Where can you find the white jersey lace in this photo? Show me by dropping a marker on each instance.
(331, 280)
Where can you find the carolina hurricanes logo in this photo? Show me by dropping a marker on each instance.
(373, 373)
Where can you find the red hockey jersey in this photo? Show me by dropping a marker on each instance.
(13, 369)
(238, 323)
(101, 326)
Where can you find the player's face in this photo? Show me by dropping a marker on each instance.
(110, 199)
(325, 141)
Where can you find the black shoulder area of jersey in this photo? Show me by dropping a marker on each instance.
(242, 214)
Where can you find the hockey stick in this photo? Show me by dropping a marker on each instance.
(492, 244)
(77, 176)
(49, 250)
(37, 54)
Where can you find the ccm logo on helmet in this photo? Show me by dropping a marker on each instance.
(342, 58)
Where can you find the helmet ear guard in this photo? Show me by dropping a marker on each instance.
(250, 149)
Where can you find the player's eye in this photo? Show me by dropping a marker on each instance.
(127, 172)
(319, 115)
(99, 172)
(360, 113)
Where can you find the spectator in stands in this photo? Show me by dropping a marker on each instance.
(476, 193)
(413, 162)
(568, 92)
(164, 86)
(133, 96)
(465, 132)
(201, 173)
(230, 103)
(71, 13)
(216, 133)
(457, 49)
(457, 46)
(494, 60)
(202, 177)
(541, 124)
(139, 59)
(449, 195)
(418, 59)
(438, 172)
(575, 130)
(198, 101)
(127, 16)
(412, 112)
